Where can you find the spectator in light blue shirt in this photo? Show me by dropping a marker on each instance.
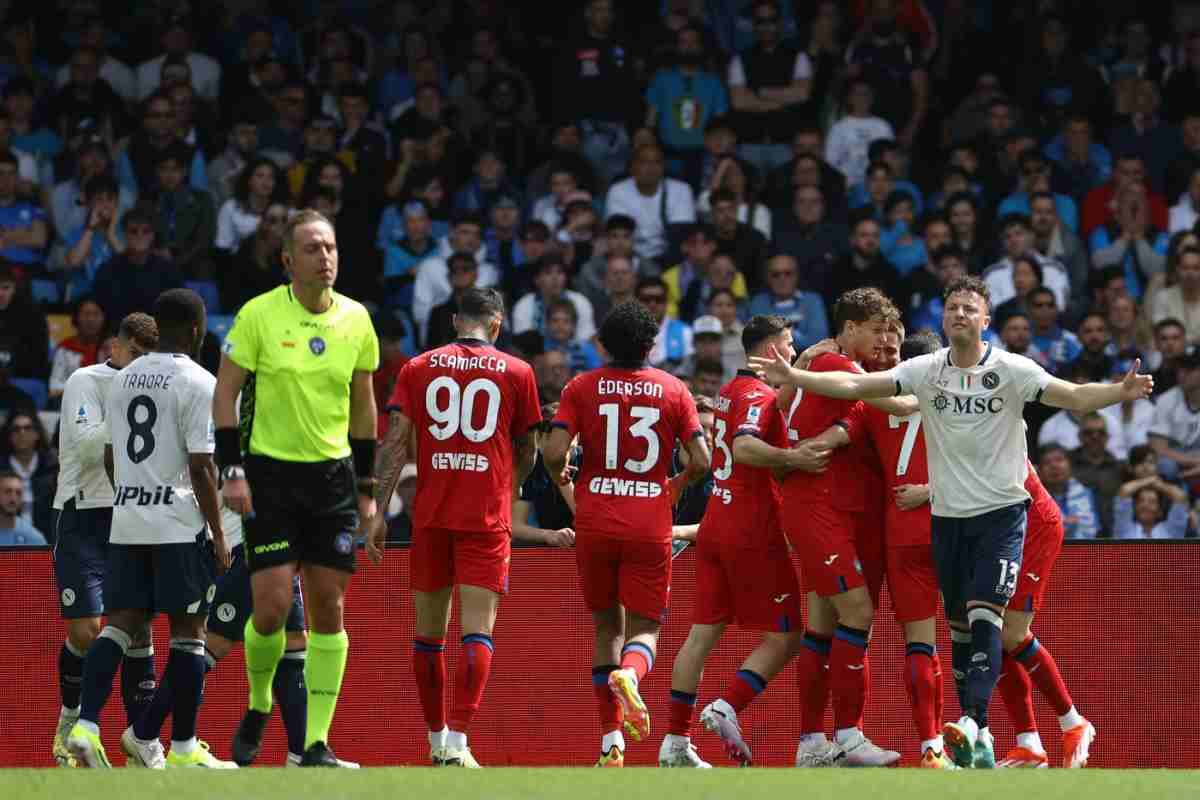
(1081, 517)
(23, 228)
(1150, 508)
(805, 310)
(1034, 176)
(903, 249)
(405, 238)
(681, 100)
(14, 531)
(92, 244)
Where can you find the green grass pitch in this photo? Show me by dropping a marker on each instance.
(584, 784)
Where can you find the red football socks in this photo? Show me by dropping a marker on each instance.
(921, 686)
(429, 669)
(470, 679)
(1017, 693)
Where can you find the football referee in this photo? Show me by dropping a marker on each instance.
(301, 357)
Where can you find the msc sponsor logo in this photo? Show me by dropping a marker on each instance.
(141, 496)
(975, 405)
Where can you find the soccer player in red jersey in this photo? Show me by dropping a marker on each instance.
(1026, 660)
(911, 573)
(825, 519)
(474, 412)
(743, 569)
(628, 417)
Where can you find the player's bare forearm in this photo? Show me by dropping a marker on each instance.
(524, 456)
(203, 471)
(364, 415)
(392, 457)
(699, 459)
(896, 406)
(685, 533)
(110, 467)
(554, 452)
(1081, 398)
(230, 379)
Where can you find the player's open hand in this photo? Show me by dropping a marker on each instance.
(375, 534)
(912, 495)
(809, 456)
(563, 537)
(820, 348)
(222, 554)
(774, 370)
(1136, 386)
(236, 494)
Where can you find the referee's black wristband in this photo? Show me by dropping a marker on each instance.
(229, 447)
(364, 457)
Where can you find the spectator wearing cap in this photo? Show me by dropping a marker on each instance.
(1181, 301)
(655, 202)
(1017, 241)
(681, 100)
(138, 155)
(257, 266)
(24, 333)
(240, 149)
(708, 335)
(503, 236)
(550, 283)
(562, 326)
(175, 39)
(24, 233)
(673, 344)
(463, 274)
(489, 181)
(1083, 163)
(320, 142)
(186, 223)
(86, 93)
(846, 147)
(359, 134)
(26, 135)
(133, 279)
(90, 246)
(783, 297)
(1076, 502)
(1034, 176)
(260, 185)
(1175, 432)
(432, 287)
(594, 82)
(1100, 205)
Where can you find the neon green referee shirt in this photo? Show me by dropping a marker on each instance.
(296, 406)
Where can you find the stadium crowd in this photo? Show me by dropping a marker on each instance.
(712, 159)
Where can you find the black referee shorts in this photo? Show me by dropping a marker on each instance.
(304, 512)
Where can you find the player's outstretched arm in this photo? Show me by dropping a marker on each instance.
(392, 457)
(1082, 398)
(203, 470)
(896, 406)
(842, 385)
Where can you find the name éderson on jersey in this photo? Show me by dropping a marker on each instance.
(634, 388)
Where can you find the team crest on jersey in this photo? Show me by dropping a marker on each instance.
(990, 380)
(753, 413)
(317, 345)
(226, 612)
(68, 597)
(343, 543)
(941, 402)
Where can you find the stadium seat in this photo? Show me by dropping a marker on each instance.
(208, 291)
(34, 388)
(44, 291)
(219, 325)
(61, 327)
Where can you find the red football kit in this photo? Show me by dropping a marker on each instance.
(628, 420)
(825, 514)
(911, 574)
(1043, 541)
(743, 566)
(466, 402)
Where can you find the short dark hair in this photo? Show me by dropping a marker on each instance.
(919, 344)
(456, 259)
(709, 366)
(103, 184)
(481, 304)
(1030, 259)
(535, 226)
(564, 305)
(1009, 220)
(881, 147)
(1049, 448)
(354, 89)
(140, 214)
(762, 327)
(628, 332)
(648, 281)
(722, 196)
(1043, 196)
(620, 222)
(948, 251)
(176, 312)
(178, 152)
(969, 283)
(8, 474)
(8, 157)
(1167, 323)
(896, 198)
(1044, 290)
(467, 218)
(141, 329)
(860, 305)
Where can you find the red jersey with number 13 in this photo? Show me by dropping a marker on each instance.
(628, 421)
(900, 444)
(744, 508)
(467, 401)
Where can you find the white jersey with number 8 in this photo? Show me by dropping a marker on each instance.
(159, 411)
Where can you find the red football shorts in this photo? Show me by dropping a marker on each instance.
(825, 540)
(872, 550)
(635, 573)
(912, 582)
(755, 587)
(442, 558)
(1043, 541)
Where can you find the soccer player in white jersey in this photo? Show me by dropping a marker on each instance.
(84, 504)
(972, 400)
(167, 543)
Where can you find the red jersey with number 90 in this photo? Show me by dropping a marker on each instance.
(466, 401)
(744, 508)
(628, 421)
(900, 443)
